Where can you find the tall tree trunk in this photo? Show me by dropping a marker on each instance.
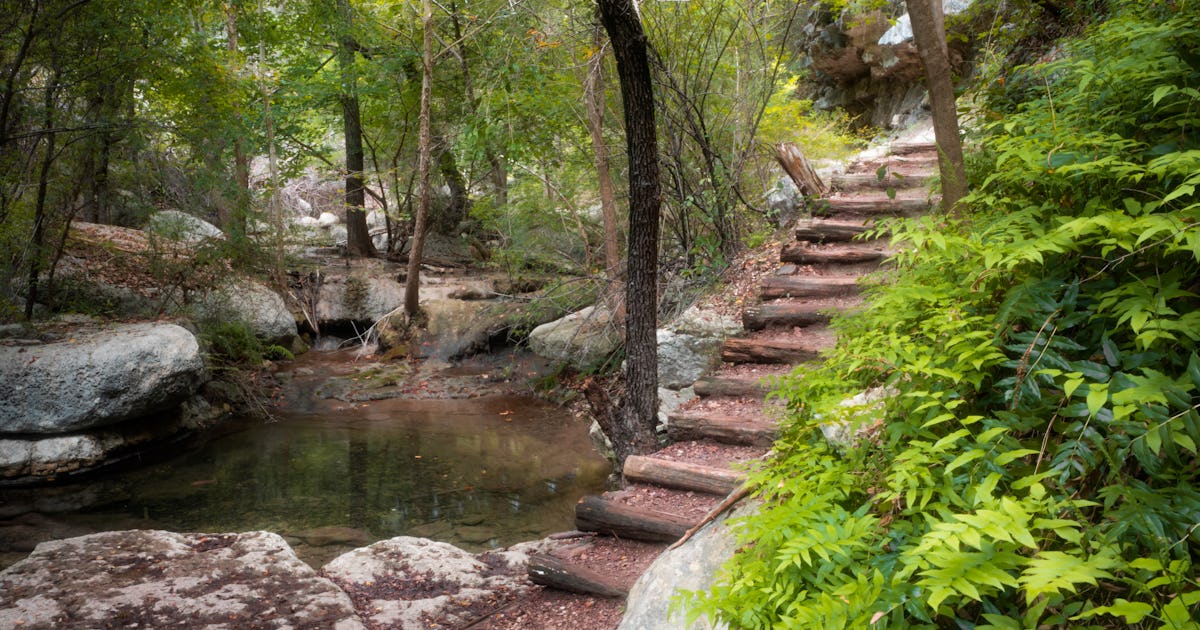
(498, 174)
(594, 98)
(929, 32)
(412, 296)
(358, 238)
(39, 209)
(645, 198)
(235, 220)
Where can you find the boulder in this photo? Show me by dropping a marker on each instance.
(98, 378)
(583, 339)
(669, 401)
(705, 323)
(692, 566)
(408, 582)
(157, 579)
(254, 303)
(357, 298)
(683, 358)
(327, 219)
(181, 226)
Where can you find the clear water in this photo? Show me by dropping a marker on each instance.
(480, 473)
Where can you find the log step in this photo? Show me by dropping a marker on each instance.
(791, 314)
(776, 287)
(721, 428)
(750, 350)
(829, 230)
(871, 205)
(909, 148)
(682, 475)
(734, 386)
(605, 516)
(804, 254)
(872, 181)
(573, 577)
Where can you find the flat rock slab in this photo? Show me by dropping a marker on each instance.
(97, 378)
(407, 582)
(157, 579)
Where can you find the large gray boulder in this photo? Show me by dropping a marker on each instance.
(583, 339)
(156, 579)
(97, 378)
(408, 582)
(357, 298)
(254, 303)
(692, 566)
(181, 226)
(683, 358)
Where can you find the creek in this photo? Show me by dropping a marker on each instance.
(482, 470)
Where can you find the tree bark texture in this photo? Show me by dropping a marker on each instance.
(412, 284)
(358, 239)
(929, 33)
(645, 200)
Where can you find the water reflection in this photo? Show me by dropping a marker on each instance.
(479, 473)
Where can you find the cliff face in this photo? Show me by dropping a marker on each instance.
(867, 64)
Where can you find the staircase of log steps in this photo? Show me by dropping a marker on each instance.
(730, 424)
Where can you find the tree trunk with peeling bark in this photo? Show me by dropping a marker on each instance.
(929, 33)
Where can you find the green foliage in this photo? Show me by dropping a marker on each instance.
(231, 342)
(1037, 465)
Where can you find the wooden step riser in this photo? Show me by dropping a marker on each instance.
(600, 515)
(780, 287)
(713, 387)
(828, 232)
(868, 207)
(802, 254)
(572, 577)
(682, 427)
(781, 314)
(681, 475)
(872, 182)
(753, 351)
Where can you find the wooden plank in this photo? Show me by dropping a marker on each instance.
(572, 577)
(722, 428)
(787, 314)
(909, 148)
(829, 231)
(598, 514)
(775, 287)
(802, 254)
(681, 475)
(871, 181)
(733, 386)
(871, 205)
(746, 350)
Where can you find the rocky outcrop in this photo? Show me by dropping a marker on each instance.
(683, 358)
(254, 303)
(583, 339)
(357, 298)
(98, 378)
(408, 582)
(692, 566)
(156, 579)
(181, 226)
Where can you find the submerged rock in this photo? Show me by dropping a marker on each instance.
(98, 378)
(159, 579)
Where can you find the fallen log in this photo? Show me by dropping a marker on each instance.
(800, 253)
(722, 428)
(597, 514)
(909, 148)
(829, 231)
(798, 168)
(775, 287)
(860, 205)
(563, 575)
(871, 181)
(681, 475)
(733, 386)
(784, 314)
(746, 350)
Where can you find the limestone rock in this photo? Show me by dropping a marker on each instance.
(98, 378)
(357, 298)
(705, 323)
(692, 566)
(683, 358)
(254, 303)
(669, 401)
(583, 339)
(181, 226)
(408, 582)
(157, 579)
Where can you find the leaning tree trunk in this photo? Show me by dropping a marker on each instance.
(412, 296)
(929, 32)
(639, 408)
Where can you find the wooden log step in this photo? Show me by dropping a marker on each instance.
(605, 516)
(681, 475)
(872, 205)
(872, 181)
(909, 148)
(785, 314)
(722, 428)
(829, 230)
(776, 287)
(804, 254)
(572, 577)
(733, 386)
(750, 350)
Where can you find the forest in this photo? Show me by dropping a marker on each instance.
(1032, 459)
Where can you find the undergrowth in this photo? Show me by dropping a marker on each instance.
(1036, 462)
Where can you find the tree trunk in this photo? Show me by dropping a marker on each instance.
(929, 32)
(641, 290)
(235, 221)
(39, 210)
(460, 203)
(358, 239)
(412, 296)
